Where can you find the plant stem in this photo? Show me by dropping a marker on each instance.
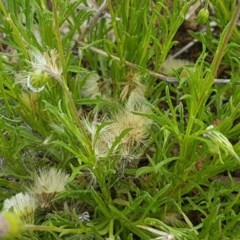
(30, 227)
(59, 42)
(63, 82)
(223, 44)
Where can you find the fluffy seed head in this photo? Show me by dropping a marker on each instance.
(91, 87)
(138, 125)
(23, 205)
(136, 98)
(135, 91)
(136, 128)
(172, 64)
(48, 184)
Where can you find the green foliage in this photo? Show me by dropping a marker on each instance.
(145, 158)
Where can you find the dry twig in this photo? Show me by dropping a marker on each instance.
(150, 72)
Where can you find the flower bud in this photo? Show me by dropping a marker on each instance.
(10, 225)
(202, 16)
(37, 80)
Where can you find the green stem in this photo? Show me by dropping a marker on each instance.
(30, 227)
(223, 44)
(43, 228)
(74, 114)
(221, 49)
(63, 82)
(111, 230)
(58, 37)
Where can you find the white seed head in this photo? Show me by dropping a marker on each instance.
(48, 184)
(91, 87)
(136, 98)
(125, 120)
(172, 64)
(134, 92)
(137, 123)
(22, 204)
